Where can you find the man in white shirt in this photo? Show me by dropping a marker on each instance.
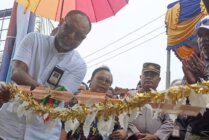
(46, 60)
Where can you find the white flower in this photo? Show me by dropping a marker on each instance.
(22, 109)
(86, 130)
(71, 125)
(46, 116)
(106, 127)
(89, 119)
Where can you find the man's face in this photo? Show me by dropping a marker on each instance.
(203, 41)
(101, 81)
(150, 80)
(72, 32)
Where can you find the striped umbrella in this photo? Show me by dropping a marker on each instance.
(56, 9)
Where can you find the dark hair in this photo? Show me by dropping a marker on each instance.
(74, 12)
(105, 68)
(87, 87)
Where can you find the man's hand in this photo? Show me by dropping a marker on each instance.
(122, 92)
(141, 90)
(119, 134)
(4, 93)
(189, 75)
(145, 136)
(194, 68)
(21, 76)
(198, 65)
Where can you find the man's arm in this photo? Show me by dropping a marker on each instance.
(20, 74)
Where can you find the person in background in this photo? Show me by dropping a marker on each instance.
(110, 93)
(100, 82)
(196, 68)
(46, 60)
(83, 86)
(121, 93)
(150, 77)
(181, 122)
(138, 86)
(176, 82)
(145, 127)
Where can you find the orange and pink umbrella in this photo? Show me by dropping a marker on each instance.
(56, 9)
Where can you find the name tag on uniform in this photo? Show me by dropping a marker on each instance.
(55, 76)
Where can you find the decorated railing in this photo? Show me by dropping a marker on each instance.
(94, 105)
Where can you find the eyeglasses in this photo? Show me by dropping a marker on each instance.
(70, 29)
(102, 80)
(204, 22)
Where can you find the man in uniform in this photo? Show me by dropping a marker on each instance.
(145, 126)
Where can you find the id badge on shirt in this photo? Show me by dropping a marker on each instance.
(176, 131)
(55, 76)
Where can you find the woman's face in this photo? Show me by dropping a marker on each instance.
(101, 82)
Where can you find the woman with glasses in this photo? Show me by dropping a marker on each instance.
(101, 81)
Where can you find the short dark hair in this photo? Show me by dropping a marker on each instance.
(74, 12)
(105, 68)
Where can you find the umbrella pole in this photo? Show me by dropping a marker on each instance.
(168, 73)
(61, 9)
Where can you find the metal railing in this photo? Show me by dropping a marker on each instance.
(4, 24)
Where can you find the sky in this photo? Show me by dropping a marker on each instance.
(127, 52)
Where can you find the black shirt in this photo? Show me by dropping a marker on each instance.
(200, 123)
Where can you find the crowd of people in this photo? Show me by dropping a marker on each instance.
(53, 61)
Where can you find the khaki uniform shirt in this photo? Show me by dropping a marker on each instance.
(162, 126)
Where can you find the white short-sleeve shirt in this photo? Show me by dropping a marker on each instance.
(39, 53)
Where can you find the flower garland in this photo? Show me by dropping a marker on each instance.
(108, 108)
(105, 111)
